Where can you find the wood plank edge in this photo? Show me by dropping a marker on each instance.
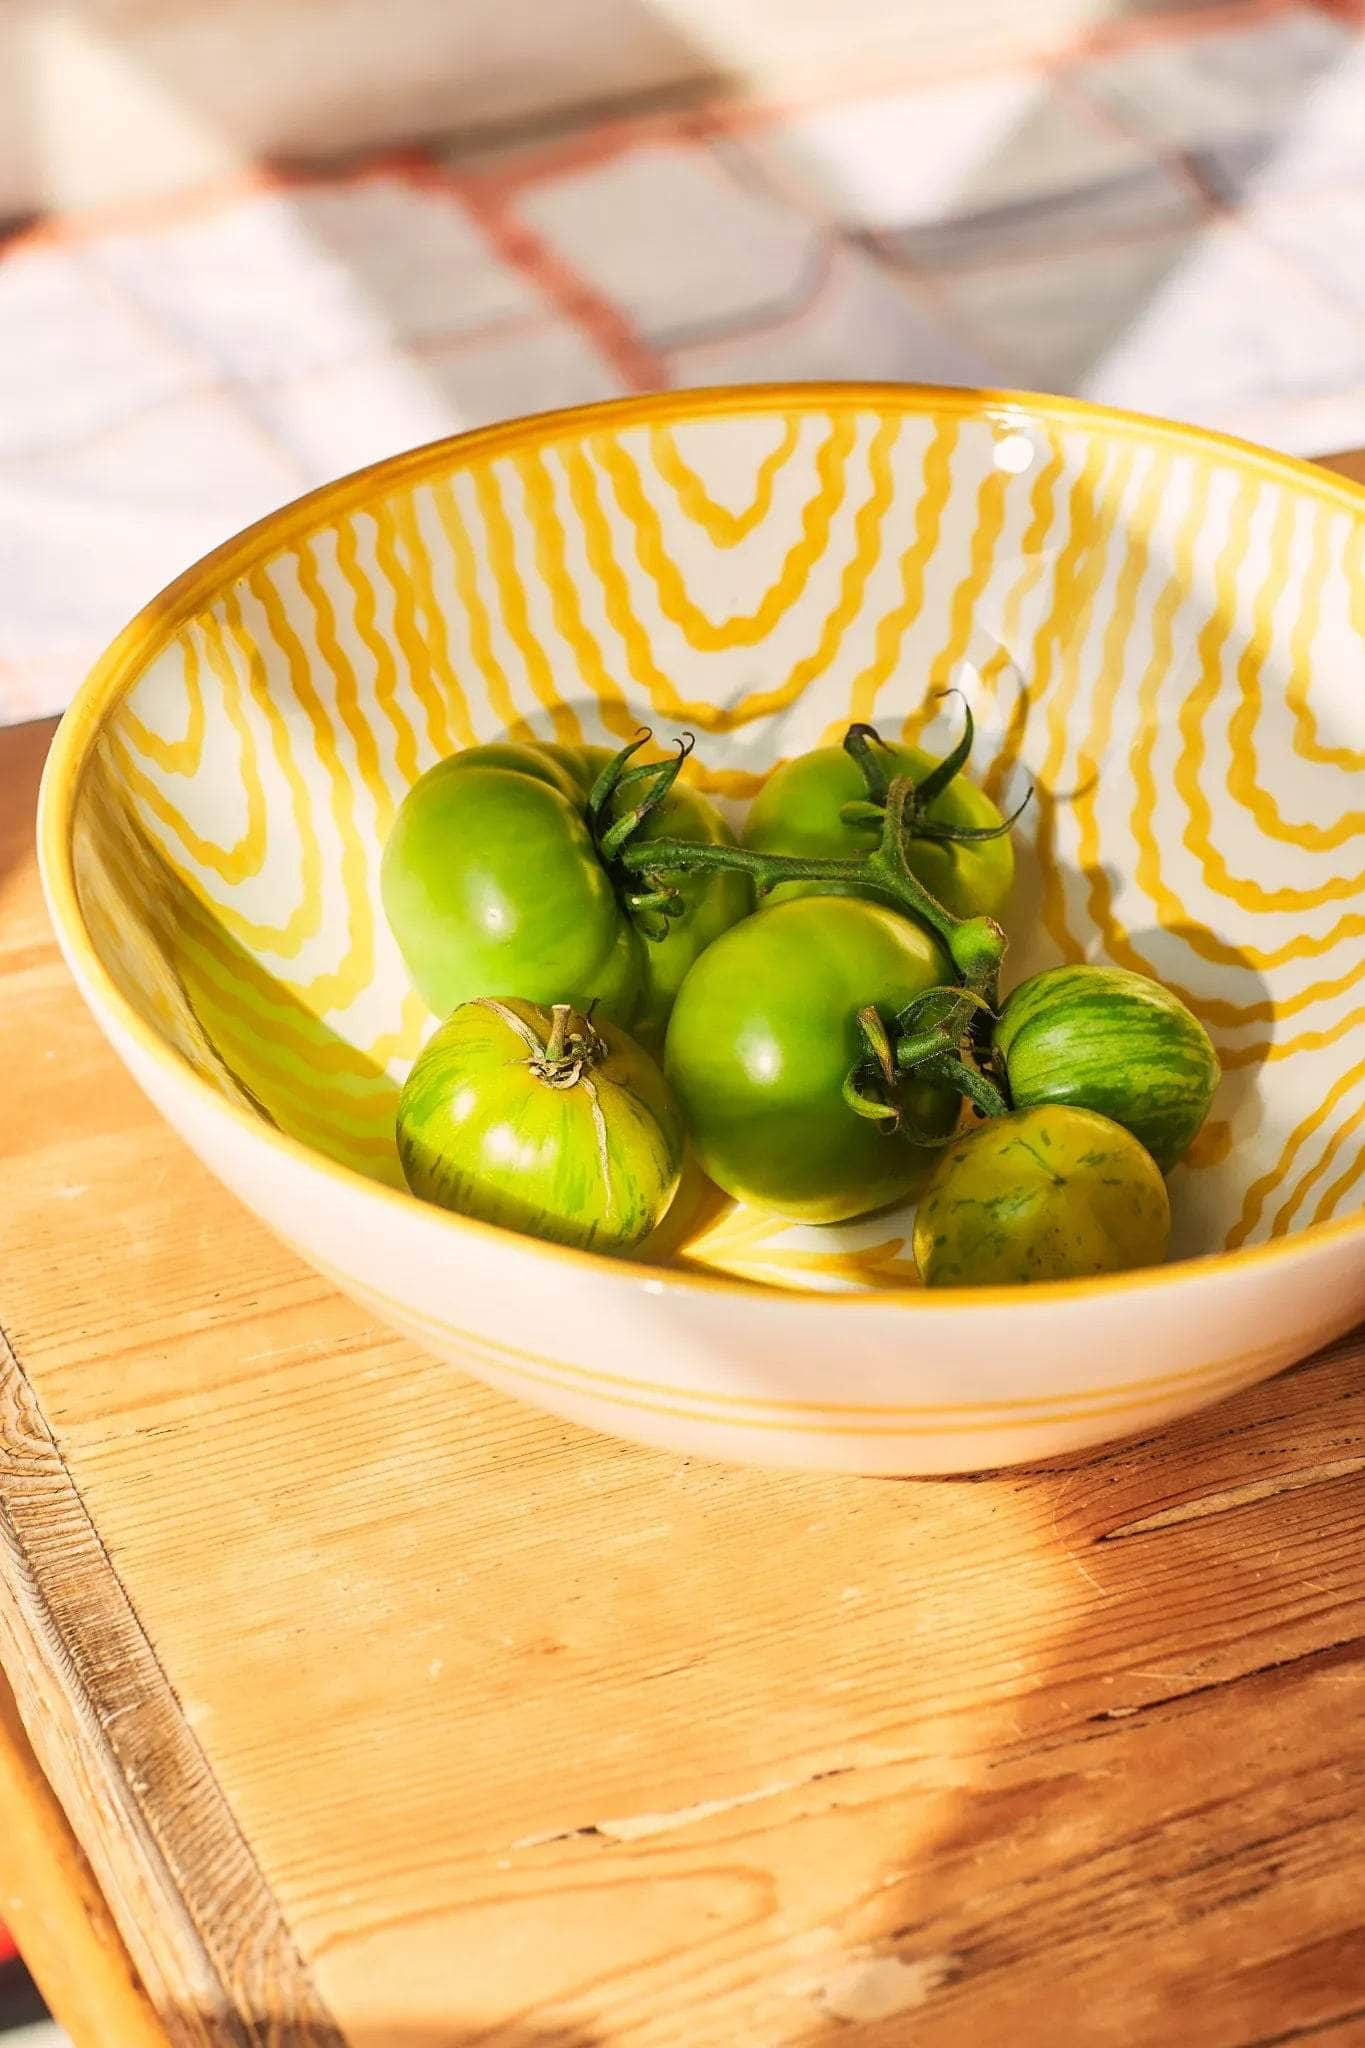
(56, 1912)
(201, 1924)
(1351, 463)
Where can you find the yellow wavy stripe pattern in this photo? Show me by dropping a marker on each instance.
(250, 1025)
(726, 529)
(333, 988)
(449, 724)
(1347, 1180)
(1104, 693)
(1216, 1012)
(742, 629)
(662, 692)
(1265, 1184)
(1042, 510)
(1189, 776)
(347, 694)
(1062, 638)
(991, 503)
(1171, 910)
(388, 683)
(478, 623)
(551, 553)
(174, 757)
(244, 858)
(1249, 708)
(501, 547)
(1306, 741)
(889, 634)
(337, 697)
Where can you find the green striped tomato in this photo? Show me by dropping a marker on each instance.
(1041, 1194)
(543, 1122)
(1114, 1042)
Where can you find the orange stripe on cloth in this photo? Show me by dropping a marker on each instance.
(612, 136)
(640, 367)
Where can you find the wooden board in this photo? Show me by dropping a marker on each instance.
(53, 1908)
(1351, 463)
(392, 1715)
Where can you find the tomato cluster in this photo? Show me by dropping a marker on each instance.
(813, 1008)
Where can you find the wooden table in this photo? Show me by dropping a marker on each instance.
(367, 1708)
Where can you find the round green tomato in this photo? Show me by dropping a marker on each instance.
(491, 879)
(579, 1141)
(1114, 1042)
(798, 811)
(763, 1036)
(563, 768)
(1040, 1194)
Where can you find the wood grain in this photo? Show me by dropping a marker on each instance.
(69, 1634)
(54, 1909)
(394, 1715)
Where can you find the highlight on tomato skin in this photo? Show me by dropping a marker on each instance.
(544, 1121)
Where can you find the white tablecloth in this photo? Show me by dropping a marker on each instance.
(1169, 216)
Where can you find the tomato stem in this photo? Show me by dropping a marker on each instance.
(873, 1088)
(676, 856)
(968, 1080)
(653, 780)
(559, 1027)
(571, 1050)
(894, 803)
(861, 741)
(976, 944)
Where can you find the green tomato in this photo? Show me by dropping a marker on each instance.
(492, 879)
(545, 761)
(1114, 1042)
(574, 1137)
(798, 811)
(1041, 1194)
(763, 1036)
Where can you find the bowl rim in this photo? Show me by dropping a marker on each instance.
(148, 631)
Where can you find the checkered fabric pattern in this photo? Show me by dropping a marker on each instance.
(1169, 215)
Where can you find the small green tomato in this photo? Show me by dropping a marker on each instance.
(543, 1122)
(494, 877)
(800, 810)
(1102, 1038)
(1041, 1194)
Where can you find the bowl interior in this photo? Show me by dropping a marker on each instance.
(1160, 631)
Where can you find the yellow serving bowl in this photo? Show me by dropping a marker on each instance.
(1162, 629)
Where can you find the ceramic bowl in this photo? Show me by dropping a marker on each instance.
(1160, 628)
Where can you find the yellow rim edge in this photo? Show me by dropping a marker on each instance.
(148, 632)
